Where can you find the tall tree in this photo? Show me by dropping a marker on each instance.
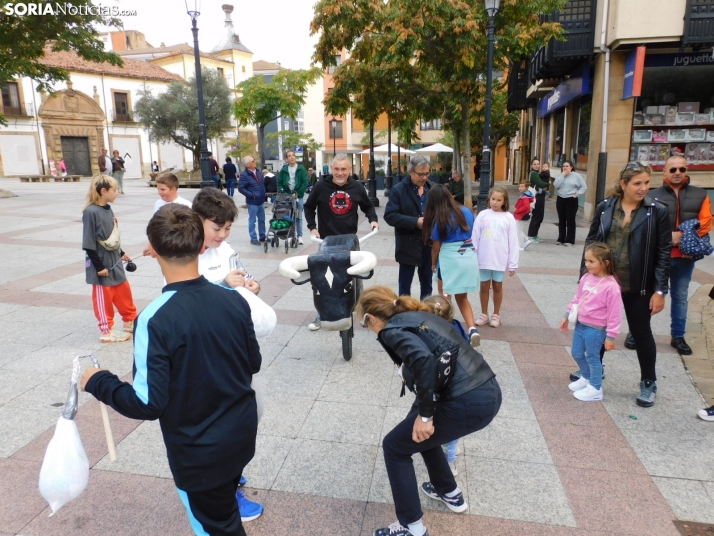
(173, 114)
(23, 39)
(438, 48)
(261, 102)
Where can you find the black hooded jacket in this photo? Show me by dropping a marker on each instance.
(336, 207)
(405, 347)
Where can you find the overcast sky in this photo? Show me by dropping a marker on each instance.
(274, 30)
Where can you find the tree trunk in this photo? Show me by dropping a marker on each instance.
(456, 166)
(466, 172)
(197, 157)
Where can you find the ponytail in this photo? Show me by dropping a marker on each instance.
(383, 303)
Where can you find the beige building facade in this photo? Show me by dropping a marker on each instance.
(631, 82)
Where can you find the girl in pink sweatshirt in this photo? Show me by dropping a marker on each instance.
(495, 237)
(599, 317)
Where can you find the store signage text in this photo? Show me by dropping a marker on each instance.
(634, 71)
(679, 60)
(578, 84)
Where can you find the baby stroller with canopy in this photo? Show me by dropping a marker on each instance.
(283, 223)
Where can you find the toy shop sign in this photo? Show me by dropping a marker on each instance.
(679, 60)
(575, 86)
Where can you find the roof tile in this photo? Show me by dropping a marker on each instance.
(132, 68)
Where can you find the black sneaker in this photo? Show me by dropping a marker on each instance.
(679, 344)
(455, 504)
(630, 342)
(395, 529)
(575, 376)
(706, 414)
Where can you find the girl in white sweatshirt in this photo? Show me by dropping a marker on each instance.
(495, 237)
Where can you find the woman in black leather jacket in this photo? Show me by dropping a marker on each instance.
(637, 229)
(468, 403)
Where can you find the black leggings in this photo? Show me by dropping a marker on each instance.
(637, 311)
(567, 208)
(537, 216)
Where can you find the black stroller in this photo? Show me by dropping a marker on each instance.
(283, 223)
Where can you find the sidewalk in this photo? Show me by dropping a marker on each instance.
(547, 465)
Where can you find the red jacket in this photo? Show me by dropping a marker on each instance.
(523, 205)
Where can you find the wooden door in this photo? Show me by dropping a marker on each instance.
(75, 152)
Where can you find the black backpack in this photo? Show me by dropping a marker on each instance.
(443, 350)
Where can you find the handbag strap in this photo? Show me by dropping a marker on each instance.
(590, 291)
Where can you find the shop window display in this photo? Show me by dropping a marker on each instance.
(675, 116)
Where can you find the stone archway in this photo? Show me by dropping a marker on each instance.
(72, 116)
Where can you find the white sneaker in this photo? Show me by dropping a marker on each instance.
(314, 325)
(113, 336)
(526, 244)
(452, 466)
(300, 240)
(588, 394)
(578, 384)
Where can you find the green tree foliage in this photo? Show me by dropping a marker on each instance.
(23, 40)
(173, 114)
(423, 58)
(261, 102)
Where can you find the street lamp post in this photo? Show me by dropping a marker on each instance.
(372, 181)
(485, 173)
(194, 12)
(333, 123)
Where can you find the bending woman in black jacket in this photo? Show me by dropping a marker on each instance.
(637, 229)
(468, 403)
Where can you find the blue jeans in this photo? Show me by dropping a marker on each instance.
(453, 419)
(451, 450)
(216, 180)
(259, 212)
(680, 274)
(298, 222)
(406, 275)
(230, 186)
(587, 342)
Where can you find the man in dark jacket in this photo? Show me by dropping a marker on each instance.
(214, 171)
(684, 202)
(456, 187)
(252, 187)
(335, 199)
(405, 212)
(271, 184)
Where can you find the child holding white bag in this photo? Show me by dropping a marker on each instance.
(596, 311)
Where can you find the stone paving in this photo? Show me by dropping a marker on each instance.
(548, 464)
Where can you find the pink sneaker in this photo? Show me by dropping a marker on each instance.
(482, 320)
(495, 320)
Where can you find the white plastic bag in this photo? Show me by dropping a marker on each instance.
(65, 469)
(263, 316)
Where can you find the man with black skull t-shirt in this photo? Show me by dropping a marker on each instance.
(335, 199)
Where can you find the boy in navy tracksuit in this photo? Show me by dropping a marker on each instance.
(195, 353)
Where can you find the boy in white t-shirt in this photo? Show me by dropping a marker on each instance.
(217, 212)
(167, 186)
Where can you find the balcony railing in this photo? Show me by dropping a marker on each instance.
(127, 117)
(558, 58)
(699, 23)
(19, 109)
